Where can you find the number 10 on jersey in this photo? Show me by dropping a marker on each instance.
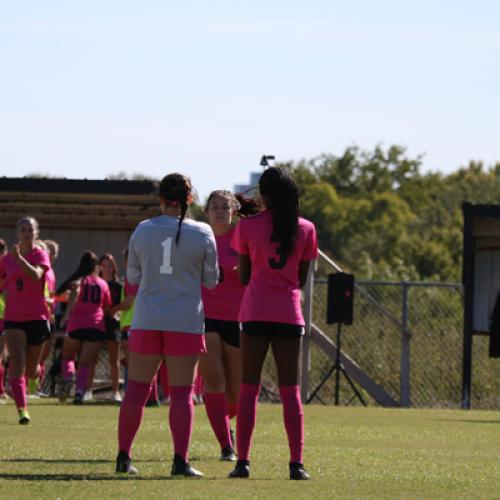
(166, 266)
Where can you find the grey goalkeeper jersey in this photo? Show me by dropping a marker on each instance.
(169, 275)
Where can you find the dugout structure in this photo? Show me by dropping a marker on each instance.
(97, 215)
(481, 280)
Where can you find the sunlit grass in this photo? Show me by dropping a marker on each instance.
(69, 451)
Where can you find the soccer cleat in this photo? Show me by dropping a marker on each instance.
(78, 400)
(241, 470)
(124, 464)
(32, 386)
(227, 454)
(117, 397)
(297, 472)
(182, 468)
(65, 390)
(24, 417)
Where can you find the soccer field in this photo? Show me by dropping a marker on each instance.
(69, 452)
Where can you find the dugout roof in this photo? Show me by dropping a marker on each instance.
(77, 203)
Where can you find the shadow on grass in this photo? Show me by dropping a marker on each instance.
(66, 461)
(81, 477)
(469, 421)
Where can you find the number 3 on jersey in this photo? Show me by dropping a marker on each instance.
(166, 266)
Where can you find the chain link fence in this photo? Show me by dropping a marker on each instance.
(408, 338)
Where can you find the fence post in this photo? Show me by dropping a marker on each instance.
(306, 339)
(404, 380)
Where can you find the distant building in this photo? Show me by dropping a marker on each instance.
(254, 181)
(97, 215)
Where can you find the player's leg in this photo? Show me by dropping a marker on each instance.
(254, 348)
(88, 357)
(71, 348)
(286, 352)
(15, 340)
(144, 359)
(181, 353)
(212, 371)
(113, 348)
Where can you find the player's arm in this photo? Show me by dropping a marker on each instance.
(244, 269)
(71, 304)
(35, 273)
(134, 273)
(304, 267)
(210, 266)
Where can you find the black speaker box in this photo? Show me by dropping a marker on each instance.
(340, 298)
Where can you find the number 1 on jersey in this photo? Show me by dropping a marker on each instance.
(166, 267)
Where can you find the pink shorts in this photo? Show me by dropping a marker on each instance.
(168, 343)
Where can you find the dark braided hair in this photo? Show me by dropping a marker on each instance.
(281, 196)
(175, 189)
(88, 263)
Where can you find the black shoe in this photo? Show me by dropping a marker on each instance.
(124, 465)
(78, 400)
(242, 470)
(181, 468)
(227, 454)
(297, 472)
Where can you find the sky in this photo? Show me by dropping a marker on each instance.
(90, 89)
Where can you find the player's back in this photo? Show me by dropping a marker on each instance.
(170, 274)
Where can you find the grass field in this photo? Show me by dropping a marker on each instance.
(69, 452)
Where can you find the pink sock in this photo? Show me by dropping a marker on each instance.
(2, 378)
(131, 411)
(232, 409)
(217, 412)
(18, 389)
(293, 416)
(181, 418)
(245, 420)
(68, 368)
(82, 376)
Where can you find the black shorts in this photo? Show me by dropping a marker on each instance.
(37, 331)
(87, 335)
(125, 334)
(271, 329)
(112, 329)
(229, 331)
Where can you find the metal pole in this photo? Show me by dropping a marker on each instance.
(404, 387)
(306, 339)
(337, 367)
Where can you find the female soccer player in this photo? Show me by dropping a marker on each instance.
(170, 257)
(220, 366)
(126, 309)
(50, 294)
(26, 324)
(275, 249)
(3, 394)
(109, 272)
(88, 304)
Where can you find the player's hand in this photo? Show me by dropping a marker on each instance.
(16, 253)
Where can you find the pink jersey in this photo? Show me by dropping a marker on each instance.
(223, 301)
(88, 311)
(273, 293)
(50, 281)
(24, 297)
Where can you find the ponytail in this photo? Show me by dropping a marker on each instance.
(88, 263)
(281, 196)
(176, 189)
